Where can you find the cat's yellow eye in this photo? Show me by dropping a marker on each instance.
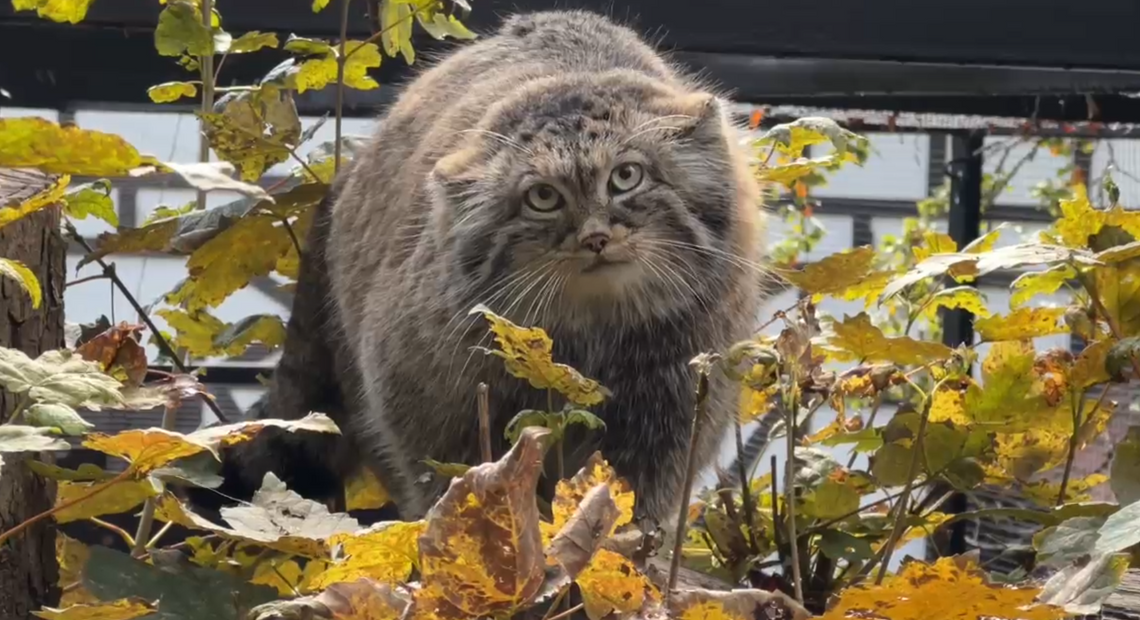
(626, 177)
(544, 198)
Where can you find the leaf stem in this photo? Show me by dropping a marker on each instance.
(482, 394)
(146, 521)
(690, 473)
(93, 278)
(903, 506)
(790, 491)
(568, 612)
(745, 490)
(161, 532)
(124, 534)
(125, 474)
(160, 340)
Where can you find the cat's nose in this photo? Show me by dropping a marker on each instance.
(595, 242)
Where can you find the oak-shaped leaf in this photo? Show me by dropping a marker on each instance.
(952, 588)
(32, 142)
(121, 609)
(611, 584)
(526, 352)
(185, 591)
(481, 553)
(385, 552)
(741, 604)
(855, 338)
(58, 376)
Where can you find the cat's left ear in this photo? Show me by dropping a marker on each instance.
(706, 117)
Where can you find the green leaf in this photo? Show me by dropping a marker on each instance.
(831, 500)
(891, 464)
(866, 440)
(441, 26)
(523, 419)
(1121, 530)
(171, 91)
(23, 276)
(253, 41)
(86, 472)
(839, 545)
(585, 418)
(57, 415)
(182, 588)
(92, 200)
(1065, 542)
(1028, 285)
(180, 31)
(16, 438)
(447, 470)
(308, 47)
(319, 5)
(1125, 471)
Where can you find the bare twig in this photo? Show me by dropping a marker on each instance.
(93, 278)
(790, 495)
(556, 602)
(690, 473)
(341, 59)
(484, 404)
(776, 511)
(568, 612)
(160, 340)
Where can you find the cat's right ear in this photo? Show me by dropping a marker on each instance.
(457, 168)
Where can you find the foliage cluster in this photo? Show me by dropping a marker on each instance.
(820, 538)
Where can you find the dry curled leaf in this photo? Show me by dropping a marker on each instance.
(481, 554)
(569, 494)
(575, 544)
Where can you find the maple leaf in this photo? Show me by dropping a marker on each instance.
(740, 604)
(32, 142)
(755, 404)
(526, 352)
(611, 584)
(934, 243)
(230, 434)
(122, 609)
(320, 71)
(93, 199)
(119, 498)
(23, 276)
(1027, 285)
(856, 338)
(146, 449)
(384, 552)
(481, 553)
(171, 91)
(967, 298)
(1021, 324)
(363, 491)
(574, 545)
(569, 494)
(834, 273)
(952, 588)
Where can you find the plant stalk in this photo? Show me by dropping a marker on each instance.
(687, 487)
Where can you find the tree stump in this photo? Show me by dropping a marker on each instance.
(28, 569)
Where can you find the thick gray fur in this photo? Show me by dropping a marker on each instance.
(429, 221)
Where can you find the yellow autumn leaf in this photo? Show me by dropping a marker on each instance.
(568, 495)
(32, 142)
(72, 557)
(857, 339)
(319, 5)
(526, 352)
(754, 404)
(930, 522)
(834, 273)
(396, 26)
(1021, 324)
(23, 276)
(949, 405)
(966, 298)
(225, 264)
(385, 552)
(986, 242)
(1077, 490)
(1008, 400)
(119, 497)
(1118, 289)
(243, 135)
(363, 491)
(738, 604)
(611, 584)
(1079, 220)
(284, 576)
(145, 449)
(934, 243)
(788, 173)
(171, 91)
(482, 552)
(70, 11)
(1028, 285)
(1089, 367)
(194, 331)
(121, 609)
(364, 600)
(317, 73)
(950, 589)
(253, 41)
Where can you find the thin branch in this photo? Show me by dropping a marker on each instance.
(125, 474)
(482, 394)
(206, 67)
(124, 534)
(745, 490)
(690, 473)
(158, 536)
(790, 494)
(160, 340)
(146, 521)
(93, 278)
(568, 612)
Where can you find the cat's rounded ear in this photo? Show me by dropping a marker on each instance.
(456, 167)
(706, 116)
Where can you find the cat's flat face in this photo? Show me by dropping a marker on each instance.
(591, 194)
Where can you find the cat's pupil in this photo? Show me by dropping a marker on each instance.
(544, 193)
